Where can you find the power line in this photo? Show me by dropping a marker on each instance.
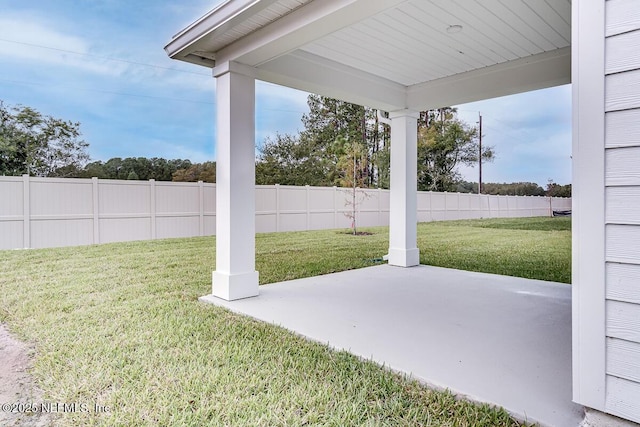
(193, 101)
(123, 61)
(108, 58)
(111, 92)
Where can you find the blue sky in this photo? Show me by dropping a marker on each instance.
(102, 63)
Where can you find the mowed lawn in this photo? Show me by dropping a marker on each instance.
(120, 325)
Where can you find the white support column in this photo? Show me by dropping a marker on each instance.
(403, 206)
(235, 276)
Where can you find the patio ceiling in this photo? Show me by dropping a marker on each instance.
(388, 54)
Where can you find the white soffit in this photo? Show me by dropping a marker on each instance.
(390, 53)
(227, 23)
(410, 44)
(271, 13)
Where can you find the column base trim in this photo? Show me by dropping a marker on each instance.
(594, 418)
(231, 287)
(404, 257)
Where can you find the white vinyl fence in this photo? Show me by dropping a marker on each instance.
(53, 212)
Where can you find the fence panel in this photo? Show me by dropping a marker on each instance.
(209, 208)
(50, 212)
(60, 212)
(292, 205)
(267, 215)
(12, 213)
(322, 209)
(125, 211)
(425, 206)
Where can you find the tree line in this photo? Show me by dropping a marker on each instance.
(40, 145)
(142, 168)
(516, 189)
(342, 144)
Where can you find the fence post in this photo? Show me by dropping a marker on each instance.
(379, 206)
(531, 206)
(335, 207)
(96, 210)
(277, 207)
(446, 206)
(308, 207)
(152, 190)
(201, 206)
(496, 209)
(26, 212)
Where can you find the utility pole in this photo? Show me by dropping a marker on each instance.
(480, 154)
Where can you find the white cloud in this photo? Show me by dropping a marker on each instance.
(29, 31)
(293, 98)
(28, 39)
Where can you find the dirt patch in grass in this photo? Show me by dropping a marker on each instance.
(18, 393)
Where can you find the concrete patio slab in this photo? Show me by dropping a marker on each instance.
(496, 339)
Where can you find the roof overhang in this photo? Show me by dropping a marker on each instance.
(388, 54)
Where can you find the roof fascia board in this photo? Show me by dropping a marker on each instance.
(217, 21)
(304, 25)
(539, 71)
(305, 71)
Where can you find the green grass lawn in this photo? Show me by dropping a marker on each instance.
(534, 248)
(120, 325)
